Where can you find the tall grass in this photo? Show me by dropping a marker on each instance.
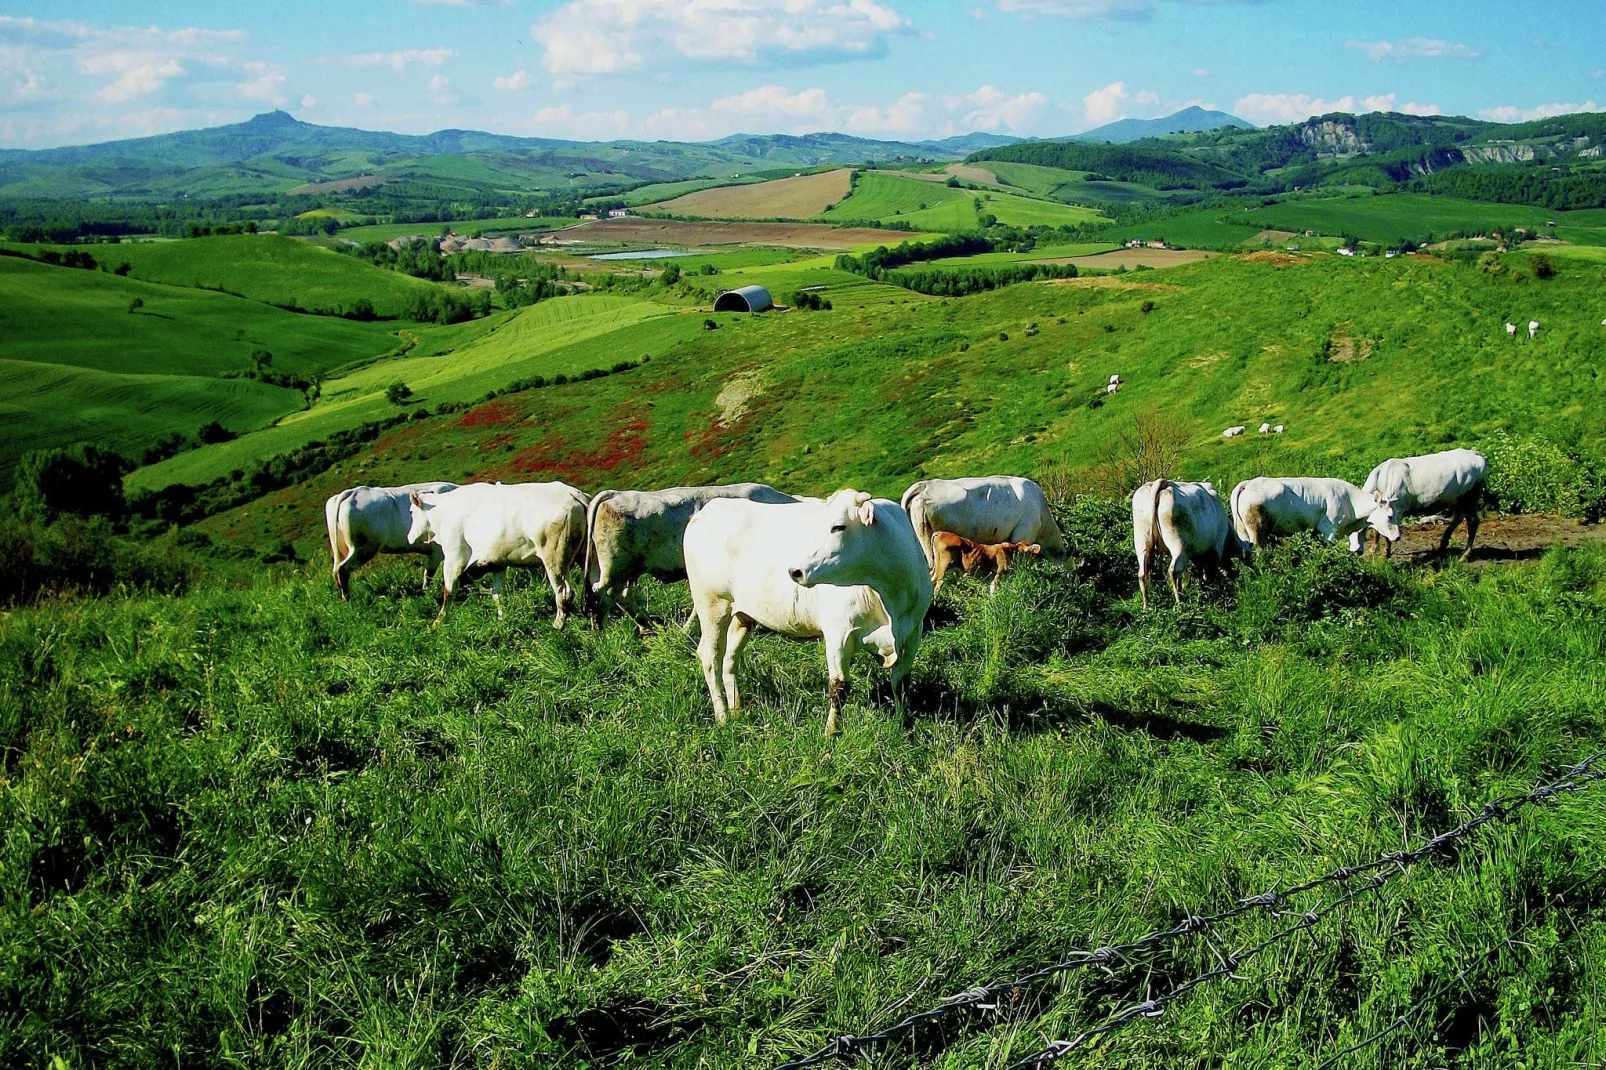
(252, 825)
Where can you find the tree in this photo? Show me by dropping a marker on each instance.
(213, 431)
(83, 480)
(1543, 266)
(135, 303)
(671, 274)
(398, 393)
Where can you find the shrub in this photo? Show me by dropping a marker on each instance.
(134, 304)
(212, 432)
(1543, 267)
(1533, 475)
(398, 393)
(84, 555)
(1303, 579)
(81, 480)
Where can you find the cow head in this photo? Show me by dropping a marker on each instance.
(422, 528)
(1385, 518)
(844, 552)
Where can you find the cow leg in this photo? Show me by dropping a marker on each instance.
(1444, 540)
(1472, 533)
(838, 656)
(939, 569)
(1176, 574)
(736, 637)
(560, 591)
(450, 571)
(1143, 580)
(496, 590)
(715, 619)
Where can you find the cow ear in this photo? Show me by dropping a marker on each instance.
(867, 511)
(860, 497)
(418, 499)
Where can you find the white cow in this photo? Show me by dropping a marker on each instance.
(1333, 508)
(1115, 380)
(491, 527)
(1233, 432)
(849, 569)
(1188, 520)
(1277, 430)
(1265, 429)
(1533, 329)
(632, 533)
(984, 509)
(366, 521)
(1448, 482)
(1112, 388)
(1511, 330)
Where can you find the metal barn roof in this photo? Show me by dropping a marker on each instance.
(744, 299)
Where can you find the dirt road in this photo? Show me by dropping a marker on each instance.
(1500, 538)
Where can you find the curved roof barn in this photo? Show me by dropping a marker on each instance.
(744, 299)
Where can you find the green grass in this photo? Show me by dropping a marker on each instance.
(82, 366)
(560, 337)
(254, 825)
(1414, 215)
(664, 191)
(890, 198)
(382, 232)
(1205, 229)
(1041, 252)
(1057, 184)
(263, 267)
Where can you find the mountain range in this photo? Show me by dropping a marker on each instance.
(1192, 120)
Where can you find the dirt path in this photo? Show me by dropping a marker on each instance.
(1500, 538)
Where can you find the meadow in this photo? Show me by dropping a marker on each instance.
(251, 824)
(932, 206)
(1413, 215)
(263, 267)
(798, 197)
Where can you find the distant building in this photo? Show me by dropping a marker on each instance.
(1346, 251)
(1157, 245)
(745, 299)
(618, 213)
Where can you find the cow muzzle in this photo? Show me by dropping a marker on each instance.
(797, 575)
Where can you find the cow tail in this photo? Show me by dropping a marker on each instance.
(340, 547)
(1237, 518)
(590, 536)
(919, 511)
(1160, 486)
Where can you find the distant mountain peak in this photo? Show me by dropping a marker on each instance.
(273, 120)
(1190, 120)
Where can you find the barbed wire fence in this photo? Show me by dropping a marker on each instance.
(1356, 881)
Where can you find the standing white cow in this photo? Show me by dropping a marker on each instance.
(984, 509)
(1451, 481)
(491, 527)
(849, 569)
(1188, 519)
(1333, 508)
(1233, 432)
(1511, 330)
(632, 533)
(1533, 329)
(366, 521)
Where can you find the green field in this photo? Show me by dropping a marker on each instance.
(1413, 215)
(1071, 186)
(262, 267)
(1203, 229)
(382, 232)
(889, 198)
(663, 191)
(82, 366)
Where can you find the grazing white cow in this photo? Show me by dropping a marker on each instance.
(1188, 519)
(1115, 380)
(366, 521)
(1333, 508)
(490, 527)
(1511, 330)
(1233, 432)
(1265, 429)
(1448, 482)
(1277, 430)
(984, 509)
(848, 569)
(1112, 388)
(632, 533)
(1533, 329)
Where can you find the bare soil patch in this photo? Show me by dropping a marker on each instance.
(338, 185)
(1500, 538)
(1272, 257)
(1345, 349)
(969, 172)
(636, 230)
(1276, 237)
(1131, 258)
(800, 197)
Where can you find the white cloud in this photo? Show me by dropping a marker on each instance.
(1287, 107)
(990, 108)
(264, 82)
(441, 91)
(1509, 113)
(518, 80)
(365, 100)
(778, 102)
(1386, 102)
(584, 37)
(1079, 9)
(140, 81)
(563, 121)
(309, 102)
(401, 59)
(1201, 72)
(1413, 47)
(902, 118)
(1105, 105)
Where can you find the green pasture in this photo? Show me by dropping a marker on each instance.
(890, 198)
(664, 191)
(1210, 228)
(253, 825)
(262, 267)
(1400, 216)
(560, 337)
(383, 232)
(1057, 184)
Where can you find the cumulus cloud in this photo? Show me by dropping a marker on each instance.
(990, 108)
(1510, 113)
(264, 82)
(562, 120)
(1287, 107)
(1386, 102)
(1127, 10)
(401, 59)
(1201, 72)
(583, 37)
(365, 100)
(519, 80)
(1413, 47)
(1109, 103)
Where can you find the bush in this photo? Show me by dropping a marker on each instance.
(398, 393)
(84, 555)
(1533, 475)
(135, 304)
(1303, 579)
(81, 480)
(1543, 267)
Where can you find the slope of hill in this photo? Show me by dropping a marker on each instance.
(802, 197)
(1190, 120)
(932, 206)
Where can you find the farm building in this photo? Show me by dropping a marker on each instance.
(745, 299)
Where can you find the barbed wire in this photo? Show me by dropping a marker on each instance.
(986, 997)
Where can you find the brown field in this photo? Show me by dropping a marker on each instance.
(636, 230)
(1131, 258)
(969, 172)
(337, 185)
(1276, 237)
(802, 197)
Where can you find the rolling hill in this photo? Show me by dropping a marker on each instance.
(1191, 120)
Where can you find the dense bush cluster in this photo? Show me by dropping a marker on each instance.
(445, 306)
(85, 555)
(1533, 475)
(962, 281)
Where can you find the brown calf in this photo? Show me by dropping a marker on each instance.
(948, 550)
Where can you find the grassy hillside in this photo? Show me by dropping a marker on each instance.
(1412, 215)
(932, 206)
(83, 366)
(562, 337)
(891, 385)
(264, 267)
(797, 197)
(254, 824)
(1058, 184)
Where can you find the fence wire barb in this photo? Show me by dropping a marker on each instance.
(1378, 872)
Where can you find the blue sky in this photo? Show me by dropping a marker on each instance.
(73, 71)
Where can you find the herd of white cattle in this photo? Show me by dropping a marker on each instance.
(851, 569)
